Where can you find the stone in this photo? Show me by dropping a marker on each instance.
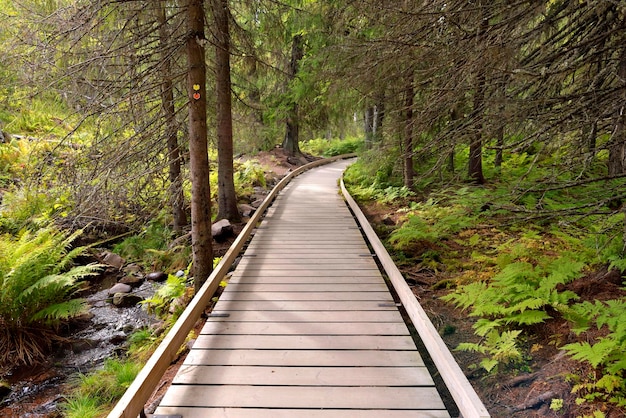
(246, 210)
(126, 300)
(120, 288)
(156, 276)
(113, 260)
(133, 268)
(222, 230)
(133, 281)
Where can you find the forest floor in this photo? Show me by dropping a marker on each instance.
(524, 390)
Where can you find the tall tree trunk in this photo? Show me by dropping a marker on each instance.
(369, 126)
(617, 147)
(176, 195)
(201, 239)
(409, 171)
(475, 166)
(226, 196)
(291, 142)
(379, 116)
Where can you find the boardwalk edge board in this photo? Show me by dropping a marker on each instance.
(466, 398)
(132, 402)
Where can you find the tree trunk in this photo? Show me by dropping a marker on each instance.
(379, 117)
(176, 195)
(617, 147)
(201, 239)
(409, 171)
(291, 142)
(475, 166)
(369, 126)
(226, 196)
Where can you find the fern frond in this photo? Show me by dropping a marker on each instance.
(52, 315)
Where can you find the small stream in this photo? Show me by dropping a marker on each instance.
(36, 391)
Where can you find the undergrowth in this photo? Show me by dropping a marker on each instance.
(507, 252)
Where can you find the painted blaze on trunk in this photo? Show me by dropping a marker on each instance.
(201, 240)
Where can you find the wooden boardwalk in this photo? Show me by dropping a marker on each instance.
(306, 326)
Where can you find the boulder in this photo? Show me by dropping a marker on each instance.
(113, 260)
(156, 276)
(126, 300)
(246, 210)
(134, 281)
(133, 268)
(120, 288)
(222, 230)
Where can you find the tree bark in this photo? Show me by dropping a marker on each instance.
(475, 166)
(176, 195)
(369, 126)
(291, 142)
(201, 239)
(226, 196)
(409, 170)
(379, 117)
(617, 147)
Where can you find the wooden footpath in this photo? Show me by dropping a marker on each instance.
(306, 326)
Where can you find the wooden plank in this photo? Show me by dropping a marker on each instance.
(310, 342)
(305, 273)
(304, 358)
(303, 376)
(298, 413)
(303, 397)
(306, 264)
(315, 305)
(304, 295)
(308, 287)
(307, 316)
(303, 328)
(306, 254)
(252, 278)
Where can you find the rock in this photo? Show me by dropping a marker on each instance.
(113, 260)
(133, 281)
(222, 230)
(133, 268)
(126, 300)
(156, 276)
(246, 210)
(83, 344)
(120, 288)
(257, 203)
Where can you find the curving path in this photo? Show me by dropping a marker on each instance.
(306, 326)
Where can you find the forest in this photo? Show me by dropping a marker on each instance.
(492, 161)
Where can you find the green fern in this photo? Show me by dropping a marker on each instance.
(518, 296)
(37, 281)
(501, 349)
(606, 354)
(162, 299)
